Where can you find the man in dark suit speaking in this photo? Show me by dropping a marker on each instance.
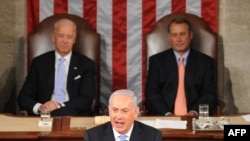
(61, 81)
(123, 111)
(198, 82)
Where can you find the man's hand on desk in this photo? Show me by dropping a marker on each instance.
(50, 106)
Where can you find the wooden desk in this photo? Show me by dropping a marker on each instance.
(73, 128)
(25, 128)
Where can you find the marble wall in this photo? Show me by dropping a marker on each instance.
(234, 32)
(233, 42)
(12, 32)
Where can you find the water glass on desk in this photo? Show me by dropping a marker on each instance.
(203, 111)
(45, 115)
(45, 118)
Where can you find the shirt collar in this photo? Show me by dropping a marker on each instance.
(66, 57)
(128, 134)
(185, 55)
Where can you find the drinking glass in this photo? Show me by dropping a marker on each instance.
(45, 118)
(203, 111)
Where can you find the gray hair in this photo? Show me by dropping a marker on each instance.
(126, 92)
(65, 20)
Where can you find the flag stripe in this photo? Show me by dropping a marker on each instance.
(60, 6)
(104, 27)
(32, 15)
(193, 7)
(123, 26)
(75, 7)
(209, 13)
(163, 8)
(119, 54)
(46, 9)
(178, 6)
(134, 44)
(90, 8)
(148, 20)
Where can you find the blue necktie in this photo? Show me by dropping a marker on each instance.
(59, 82)
(122, 137)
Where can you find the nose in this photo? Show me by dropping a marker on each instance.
(119, 115)
(65, 39)
(178, 38)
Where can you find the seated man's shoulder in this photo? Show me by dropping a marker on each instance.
(82, 57)
(162, 54)
(44, 56)
(202, 55)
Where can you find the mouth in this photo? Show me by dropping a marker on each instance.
(179, 44)
(119, 124)
(64, 46)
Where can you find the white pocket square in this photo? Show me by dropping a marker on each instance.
(77, 77)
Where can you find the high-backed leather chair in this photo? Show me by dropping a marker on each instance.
(87, 43)
(204, 39)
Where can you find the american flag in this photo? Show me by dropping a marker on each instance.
(123, 25)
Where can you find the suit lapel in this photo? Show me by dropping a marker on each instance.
(136, 134)
(172, 72)
(173, 68)
(108, 133)
(50, 68)
(73, 71)
(191, 69)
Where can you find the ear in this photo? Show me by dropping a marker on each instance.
(74, 40)
(191, 35)
(137, 111)
(53, 37)
(168, 37)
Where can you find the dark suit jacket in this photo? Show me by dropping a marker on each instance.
(39, 84)
(162, 82)
(140, 132)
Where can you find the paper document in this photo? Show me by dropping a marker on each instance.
(148, 122)
(159, 123)
(246, 117)
(171, 124)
